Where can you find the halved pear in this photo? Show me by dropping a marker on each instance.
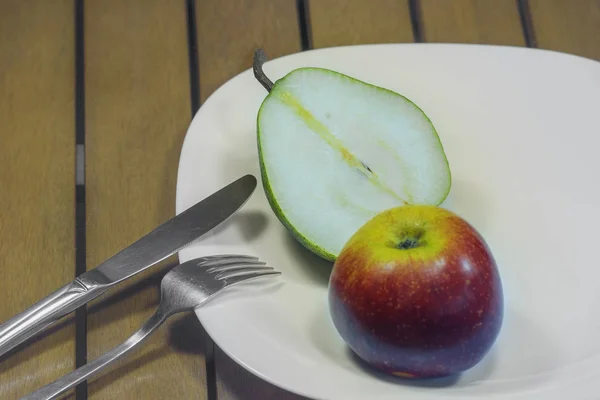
(335, 151)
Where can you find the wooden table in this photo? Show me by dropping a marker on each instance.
(95, 100)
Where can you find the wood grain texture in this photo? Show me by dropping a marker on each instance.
(349, 22)
(567, 25)
(471, 21)
(37, 182)
(230, 30)
(137, 112)
(228, 33)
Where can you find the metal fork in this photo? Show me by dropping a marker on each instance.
(184, 288)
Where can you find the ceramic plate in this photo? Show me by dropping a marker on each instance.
(520, 130)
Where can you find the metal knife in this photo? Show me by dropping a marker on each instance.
(152, 248)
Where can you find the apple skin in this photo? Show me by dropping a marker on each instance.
(416, 293)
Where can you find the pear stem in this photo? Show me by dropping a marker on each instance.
(259, 60)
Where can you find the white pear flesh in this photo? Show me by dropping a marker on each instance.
(335, 151)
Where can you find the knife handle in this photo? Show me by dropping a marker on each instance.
(46, 312)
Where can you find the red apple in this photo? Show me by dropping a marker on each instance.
(415, 292)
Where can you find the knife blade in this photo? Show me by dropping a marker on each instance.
(162, 242)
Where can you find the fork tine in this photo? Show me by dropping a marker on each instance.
(229, 256)
(221, 256)
(217, 260)
(246, 277)
(235, 265)
(241, 270)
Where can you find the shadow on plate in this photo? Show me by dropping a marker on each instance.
(316, 268)
(326, 340)
(251, 224)
(468, 200)
(442, 382)
(245, 292)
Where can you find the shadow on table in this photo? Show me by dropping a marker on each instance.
(187, 335)
(6, 360)
(181, 333)
(235, 382)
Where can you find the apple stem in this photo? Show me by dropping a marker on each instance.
(259, 60)
(407, 244)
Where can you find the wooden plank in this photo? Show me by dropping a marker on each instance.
(568, 26)
(137, 112)
(471, 21)
(37, 181)
(230, 30)
(228, 33)
(349, 22)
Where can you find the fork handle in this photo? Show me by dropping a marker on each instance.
(46, 312)
(54, 389)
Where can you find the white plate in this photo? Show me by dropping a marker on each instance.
(520, 129)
